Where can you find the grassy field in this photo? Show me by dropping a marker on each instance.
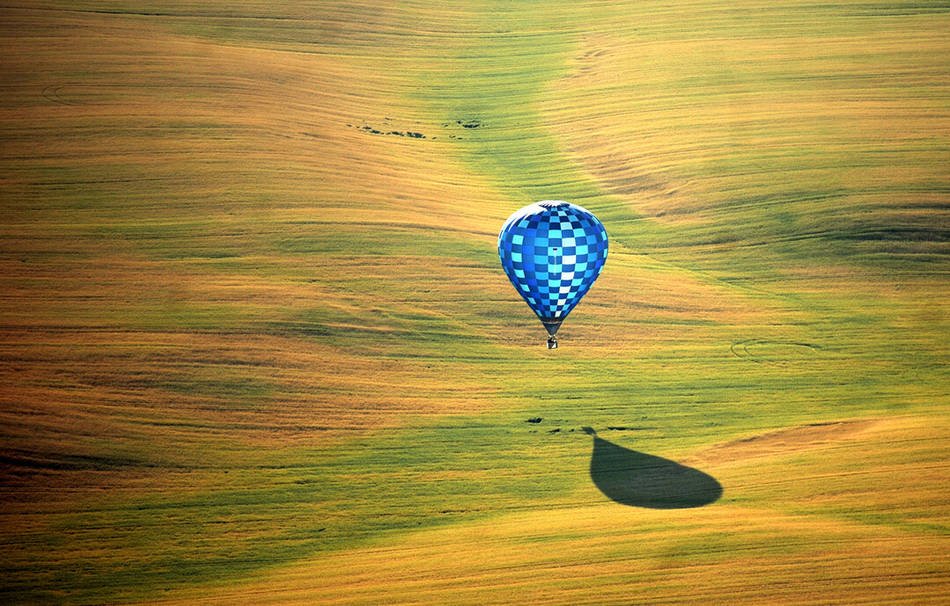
(256, 345)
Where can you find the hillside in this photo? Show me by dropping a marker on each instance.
(256, 344)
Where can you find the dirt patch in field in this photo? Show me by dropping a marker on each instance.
(385, 129)
(786, 441)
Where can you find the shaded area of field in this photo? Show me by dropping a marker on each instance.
(638, 479)
(251, 347)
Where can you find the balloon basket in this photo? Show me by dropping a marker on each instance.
(552, 342)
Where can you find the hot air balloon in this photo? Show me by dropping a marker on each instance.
(552, 252)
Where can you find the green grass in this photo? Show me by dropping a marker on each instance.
(243, 338)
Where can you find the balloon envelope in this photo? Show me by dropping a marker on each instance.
(552, 252)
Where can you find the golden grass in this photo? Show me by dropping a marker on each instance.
(598, 553)
(252, 350)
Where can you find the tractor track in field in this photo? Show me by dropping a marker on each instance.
(54, 94)
(773, 352)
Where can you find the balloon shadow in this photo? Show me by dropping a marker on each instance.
(641, 480)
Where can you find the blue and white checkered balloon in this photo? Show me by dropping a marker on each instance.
(552, 252)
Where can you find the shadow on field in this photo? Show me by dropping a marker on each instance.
(641, 480)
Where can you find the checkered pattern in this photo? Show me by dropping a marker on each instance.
(552, 252)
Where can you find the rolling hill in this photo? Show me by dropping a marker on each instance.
(256, 345)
